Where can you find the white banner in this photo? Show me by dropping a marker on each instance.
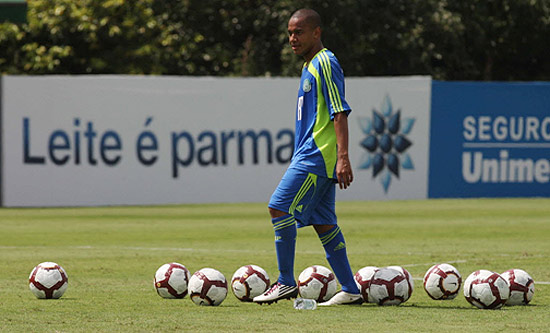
(121, 140)
(389, 137)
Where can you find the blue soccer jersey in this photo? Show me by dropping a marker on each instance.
(320, 96)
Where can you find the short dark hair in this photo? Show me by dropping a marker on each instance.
(311, 17)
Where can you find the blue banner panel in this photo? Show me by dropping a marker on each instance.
(489, 140)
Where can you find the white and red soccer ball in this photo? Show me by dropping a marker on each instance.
(363, 278)
(388, 286)
(408, 276)
(207, 287)
(317, 282)
(248, 282)
(172, 280)
(486, 290)
(48, 280)
(442, 281)
(522, 286)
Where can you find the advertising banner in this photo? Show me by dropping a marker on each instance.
(127, 140)
(389, 137)
(490, 140)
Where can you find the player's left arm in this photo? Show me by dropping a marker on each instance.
(344, 174)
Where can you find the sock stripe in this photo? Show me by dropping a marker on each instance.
(327, 238)
(330, 235)
(284, 225)
(284, 220)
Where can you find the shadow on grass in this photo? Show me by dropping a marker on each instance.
(458, 307)
(416, 306)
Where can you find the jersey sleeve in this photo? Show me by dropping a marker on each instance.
(333, 87)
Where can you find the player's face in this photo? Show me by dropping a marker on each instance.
(302, 37)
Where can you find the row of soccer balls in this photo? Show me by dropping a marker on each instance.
(483, 288)
(391, 285)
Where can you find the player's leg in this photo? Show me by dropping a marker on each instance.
(335, 249)
(284, 227)
(333, 241)
(281, 206)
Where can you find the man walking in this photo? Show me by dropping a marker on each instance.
(306, 194)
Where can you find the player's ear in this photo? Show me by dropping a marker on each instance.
(317, 32)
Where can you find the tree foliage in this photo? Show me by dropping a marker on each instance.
(450, 40)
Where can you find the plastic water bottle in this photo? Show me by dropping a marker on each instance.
(305, 304)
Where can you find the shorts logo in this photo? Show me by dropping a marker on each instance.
(306, 86)
(386, 143)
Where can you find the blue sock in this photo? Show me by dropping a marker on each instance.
(335, 249)
(285, 245)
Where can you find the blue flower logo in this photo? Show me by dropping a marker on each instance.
(386, 143)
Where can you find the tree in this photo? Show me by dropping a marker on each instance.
(450, 40)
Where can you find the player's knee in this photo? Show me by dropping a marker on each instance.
(276, 213)
(322, 228)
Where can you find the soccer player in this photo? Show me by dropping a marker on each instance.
(306, 194)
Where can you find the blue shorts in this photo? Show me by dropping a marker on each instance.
(309, 197)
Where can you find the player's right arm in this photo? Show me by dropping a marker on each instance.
(344, 173)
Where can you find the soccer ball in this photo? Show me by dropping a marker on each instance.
(48, 280)
(248, 282)
(171, 280)
(442, 281)
(388, 287)
(486, 290)
(207, 287)
(522, 286)
(317, 282)
(407, 276)
(362, 280)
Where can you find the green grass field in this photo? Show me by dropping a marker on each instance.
(112, 253)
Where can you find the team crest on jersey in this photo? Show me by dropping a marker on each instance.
(306, 87)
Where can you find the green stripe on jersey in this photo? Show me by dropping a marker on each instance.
(334, 95)
(324, 134)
